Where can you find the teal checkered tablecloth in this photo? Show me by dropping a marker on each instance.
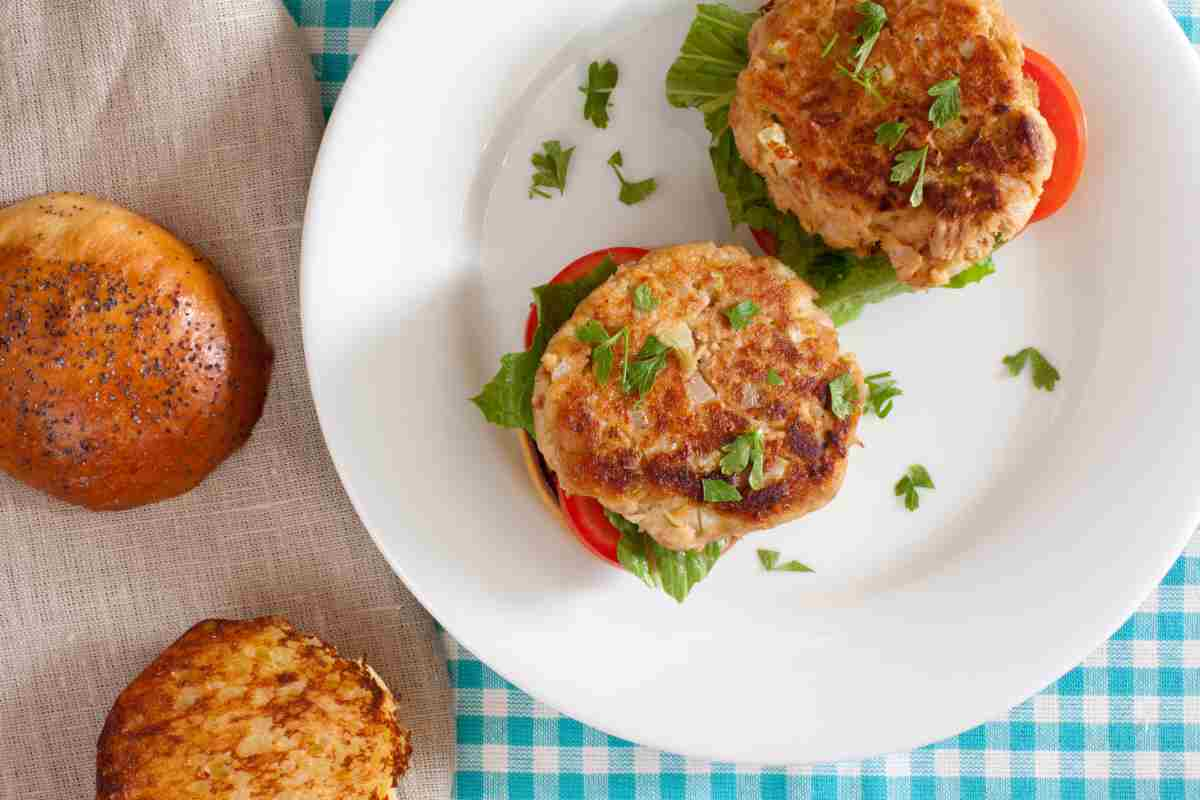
(1124, 724)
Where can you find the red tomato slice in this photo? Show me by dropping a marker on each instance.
(577, 269)
(766, 241)
(585, 514)
(588, 522)
(1061, 107)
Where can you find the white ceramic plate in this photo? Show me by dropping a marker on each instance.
(1054, 513)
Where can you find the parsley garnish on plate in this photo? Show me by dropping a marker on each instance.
(889, 134)
(644, 299)
(948, 103)
(907, 164)
(917, 477)
(550, 169)
(773, 378)
(770, 562)
(874, 17)
(740, 314)
(843, 395)
(1045, 376)
(720, 492)
(745, 451)
(881, 389)
(601, 80)
(645, 367)
(631, 192)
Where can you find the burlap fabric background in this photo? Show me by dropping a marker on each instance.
(203, 115)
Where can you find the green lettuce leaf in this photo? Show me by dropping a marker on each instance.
(704, 77)
(507, 400)
(673, 571)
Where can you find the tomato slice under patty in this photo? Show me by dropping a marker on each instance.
(1059, 104)
(585, 514)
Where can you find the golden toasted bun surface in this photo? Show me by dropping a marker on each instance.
(647, 459)
(810, 130)
(251, 709)
(128, 371)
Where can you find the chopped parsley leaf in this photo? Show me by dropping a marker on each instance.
(917, 477)
(908, 162)
(881, 389)
(843, 395)
(650, 360)
(825, 51)
(739, 315)
(745, 450)
(550, 169)
(644, 299)
(770, 562)
(720, 492)
(601, 80)
(631, 192)
(874, 17)
(948, 103)
(1045, 376)
(889, 134)
(773, 378)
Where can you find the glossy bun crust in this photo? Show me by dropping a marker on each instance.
(128, 371)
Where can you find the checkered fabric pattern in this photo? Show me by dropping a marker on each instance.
(1124, 724)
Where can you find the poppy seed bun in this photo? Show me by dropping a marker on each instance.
(252, 710)
(810, 131)
(647, 459)
(128, 371)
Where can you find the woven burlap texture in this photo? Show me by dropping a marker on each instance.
(203, 115)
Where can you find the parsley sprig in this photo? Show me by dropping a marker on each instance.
(601, 80)
(550, 169)
(917, 477)
(632, 192)
(1045, 376)
(828, 48)
(593, 333)
(740, 314)
(881, 390)
(889, 134)
(866, 79)
(908, 163)
(948, 103)
(770, 562)
(644, 299)
(717, 491)
(843, 395)
(746, 450)
(642, 371)
(874, 17)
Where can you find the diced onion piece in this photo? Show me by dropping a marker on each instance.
(678, 336)
(698, 390)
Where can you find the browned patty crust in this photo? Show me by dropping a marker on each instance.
(647, 460)
(810, 130)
